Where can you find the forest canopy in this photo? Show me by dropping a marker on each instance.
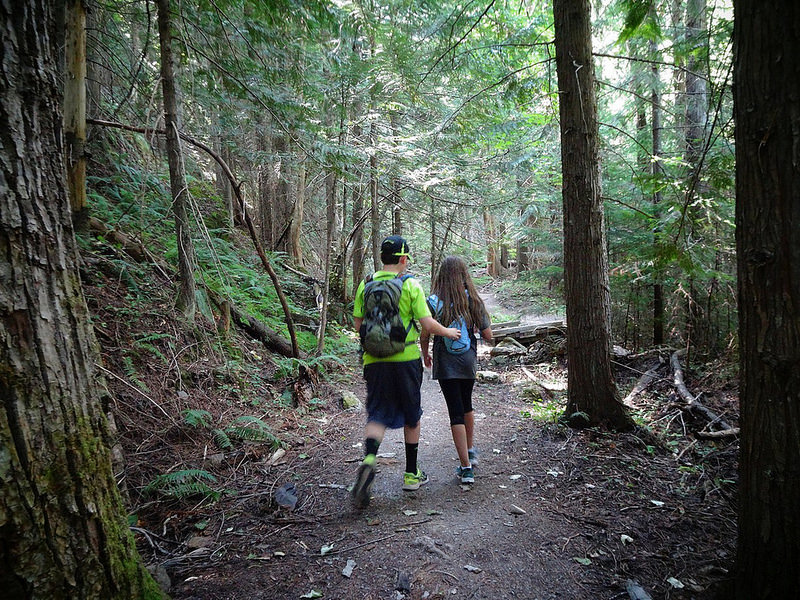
(342, 122)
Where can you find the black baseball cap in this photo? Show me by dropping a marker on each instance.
(394, 245)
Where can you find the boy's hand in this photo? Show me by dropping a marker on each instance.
(427, 360)
(453, 333)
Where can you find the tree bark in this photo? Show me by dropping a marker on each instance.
(64, 530)
(186, 301)
(593, 396)
(766, 42)
(75, 107)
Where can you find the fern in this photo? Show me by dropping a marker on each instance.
(152, 350)
(184, 484)
(289, 366)
(144, 343)
(252, 429)
(196, 417)
(133, 374)
(222, 440)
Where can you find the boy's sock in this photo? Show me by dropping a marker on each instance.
(371, 446)
(411, 457)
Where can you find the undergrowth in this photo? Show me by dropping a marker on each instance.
(189, 396)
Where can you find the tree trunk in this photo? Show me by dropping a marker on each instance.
(766, 43)
(186, 301)
(358, 236)
(696, 103)
(375, 215)
(330, 217)
(223, 185)
(64, 530)
(655, 124)
(266, 186)
(492, 256)
(298, 212)
(525, 245)
(435, 257)
(75, 107)
(282, 202)
(397, 213)
(96, 70)
(593, 396)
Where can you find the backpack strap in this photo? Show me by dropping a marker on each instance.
(413, 322)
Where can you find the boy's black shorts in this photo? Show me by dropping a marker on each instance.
(393, 393)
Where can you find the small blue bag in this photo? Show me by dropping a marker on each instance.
(462, 344)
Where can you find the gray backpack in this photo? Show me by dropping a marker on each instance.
(382, 331)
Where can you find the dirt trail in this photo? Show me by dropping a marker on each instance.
(445, 540)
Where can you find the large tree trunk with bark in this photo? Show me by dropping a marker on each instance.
(186, 301)
(64, 532)
(593, 396)
(767, 113)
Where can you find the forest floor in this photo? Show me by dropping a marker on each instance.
(554, 512)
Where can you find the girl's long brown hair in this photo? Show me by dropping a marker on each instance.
(451, 285)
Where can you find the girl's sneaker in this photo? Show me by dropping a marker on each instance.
(473, 457)
(466, 474)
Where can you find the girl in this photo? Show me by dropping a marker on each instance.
(455, 298)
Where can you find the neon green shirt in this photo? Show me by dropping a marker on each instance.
(412, 305)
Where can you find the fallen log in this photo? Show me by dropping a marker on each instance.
(691, 403)
(713, 435)
(530, 333)
(644, 382)
(271, 339)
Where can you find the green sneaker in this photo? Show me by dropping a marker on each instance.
(363, 485)
(473, 457)
(412, 481)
